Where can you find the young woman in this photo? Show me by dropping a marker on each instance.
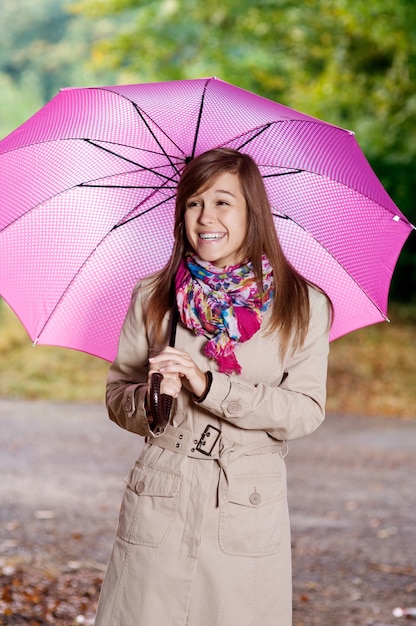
(203, 537)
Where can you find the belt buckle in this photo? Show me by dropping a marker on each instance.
(210, 431)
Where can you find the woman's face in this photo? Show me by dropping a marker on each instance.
(216, 221)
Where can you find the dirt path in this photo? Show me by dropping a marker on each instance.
(352, 493)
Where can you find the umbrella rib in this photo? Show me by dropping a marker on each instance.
(198, 122)
(293, 171)
(130, 219)
(71, 282)
(148, 169)
(155, 188)
(283, 216)
(86, 261)
(261, 130)
(155, 138)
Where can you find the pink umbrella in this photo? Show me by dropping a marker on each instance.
(87, 200)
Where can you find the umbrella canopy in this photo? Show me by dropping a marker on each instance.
(87, 202)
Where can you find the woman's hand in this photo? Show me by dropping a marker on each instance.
(171, 383)
(177, 368)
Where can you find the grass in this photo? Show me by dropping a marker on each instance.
(45, 372)
(371, 371)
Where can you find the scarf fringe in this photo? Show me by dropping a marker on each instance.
(227, 362)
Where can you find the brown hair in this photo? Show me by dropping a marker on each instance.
(290, 309)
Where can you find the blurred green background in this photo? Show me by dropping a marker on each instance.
(349, 62)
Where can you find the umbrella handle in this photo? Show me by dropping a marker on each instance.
(160, 404)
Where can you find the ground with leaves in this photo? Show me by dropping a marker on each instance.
(352, 498)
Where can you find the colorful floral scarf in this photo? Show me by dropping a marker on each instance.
(223, 303)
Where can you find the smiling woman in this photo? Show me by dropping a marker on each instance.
(204, 519)
(216, 221)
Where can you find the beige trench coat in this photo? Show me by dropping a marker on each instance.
(203, 536)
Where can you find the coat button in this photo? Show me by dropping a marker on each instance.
(129, 405)
(255, 498)
(139, 488)
(234, 407)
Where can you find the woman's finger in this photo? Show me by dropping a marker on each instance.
(171, 384)
(174, 361)
(169, 356)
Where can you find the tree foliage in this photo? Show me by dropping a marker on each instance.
(350, 62)
(43, 47)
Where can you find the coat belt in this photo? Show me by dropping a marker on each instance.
(211, 444)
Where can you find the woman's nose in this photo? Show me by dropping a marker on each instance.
(206, 215)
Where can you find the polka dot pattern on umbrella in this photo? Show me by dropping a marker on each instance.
(88, 195)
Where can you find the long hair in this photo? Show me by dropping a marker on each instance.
(290, 307)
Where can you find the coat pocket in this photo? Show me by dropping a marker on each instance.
(149, 504)
(254, 516)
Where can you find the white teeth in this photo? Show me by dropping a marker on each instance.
(209, 236)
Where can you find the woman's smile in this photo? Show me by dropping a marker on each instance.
(216, 221)
(211, 236)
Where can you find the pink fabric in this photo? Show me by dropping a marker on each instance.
(247, 323)
(88, 186)
(223, 302)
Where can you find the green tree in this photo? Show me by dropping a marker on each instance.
(43, 47)
(18, 102)
(350, 62)
(31, 36)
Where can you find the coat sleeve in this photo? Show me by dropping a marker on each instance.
(127, 376)
(295, 407)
